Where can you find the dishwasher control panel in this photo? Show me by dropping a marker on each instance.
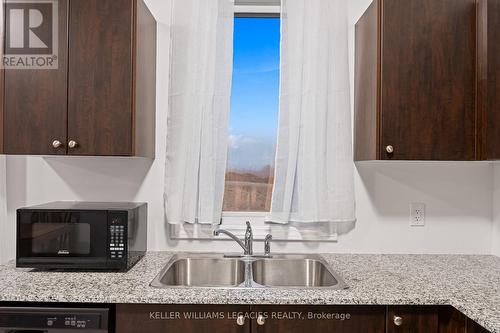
(13, 319)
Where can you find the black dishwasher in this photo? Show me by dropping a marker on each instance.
(53, 320)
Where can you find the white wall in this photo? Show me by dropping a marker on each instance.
(495, 238)
(458, 196)
(4, 252)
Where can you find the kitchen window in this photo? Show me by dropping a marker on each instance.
(253, 120)
(254, 114)
(245, 184)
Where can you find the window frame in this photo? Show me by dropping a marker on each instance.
(257, 15)
(231, 220)
(235, 221)
(253, 11)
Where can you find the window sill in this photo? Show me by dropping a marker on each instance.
(235, 223)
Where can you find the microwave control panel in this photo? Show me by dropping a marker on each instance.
(117, 236)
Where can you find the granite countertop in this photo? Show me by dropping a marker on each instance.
(471, 284)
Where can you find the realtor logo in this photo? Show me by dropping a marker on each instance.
(31, 34)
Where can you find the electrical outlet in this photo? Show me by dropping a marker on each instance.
(417, 214)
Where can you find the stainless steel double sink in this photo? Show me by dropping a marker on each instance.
(217, 271)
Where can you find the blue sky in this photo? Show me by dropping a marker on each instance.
(255, 94)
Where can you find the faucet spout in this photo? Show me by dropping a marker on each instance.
(247, 246)
(236, 239)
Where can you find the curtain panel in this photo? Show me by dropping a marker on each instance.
(201, 58)
(314, 168)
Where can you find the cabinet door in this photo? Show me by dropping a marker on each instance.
(35, 103)
(451, 320)
(100, 77)
(492, 18)
(428, 80)
(473, 327)
(180, 318)
(310, 319)
(412, 319)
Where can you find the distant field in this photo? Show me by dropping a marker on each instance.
(249, 191)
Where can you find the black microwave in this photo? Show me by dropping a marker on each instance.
(81, 235)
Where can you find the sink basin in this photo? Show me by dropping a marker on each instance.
(201, 272)
(279, 271)
(303, 272)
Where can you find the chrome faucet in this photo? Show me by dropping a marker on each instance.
(247, 246)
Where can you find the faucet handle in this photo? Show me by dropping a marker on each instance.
(249, 239)
(267, 245)
(249, 231)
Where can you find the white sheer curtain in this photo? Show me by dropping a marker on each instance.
(314, 168)
(199, 104)
(3, 207)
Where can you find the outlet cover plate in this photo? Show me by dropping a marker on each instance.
(417, 214)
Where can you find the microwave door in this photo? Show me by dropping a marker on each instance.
(62, 235)
(61, 239)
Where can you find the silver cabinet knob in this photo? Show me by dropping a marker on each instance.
(56, 143)
(72, 144)
(389, 149)
(240, 320)
(261, 320)
(398, 321)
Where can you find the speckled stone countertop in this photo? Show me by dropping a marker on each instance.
(469, 283)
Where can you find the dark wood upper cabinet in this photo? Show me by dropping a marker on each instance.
(489, 75)
(101, 99)
(35, 103)
(100, 71)
(415, 84)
